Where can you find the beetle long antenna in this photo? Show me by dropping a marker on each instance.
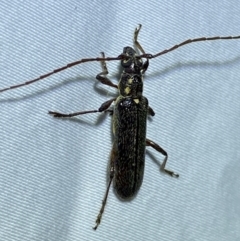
(150, 56)
(61, 69)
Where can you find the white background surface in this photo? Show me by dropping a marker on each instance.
(53, 172)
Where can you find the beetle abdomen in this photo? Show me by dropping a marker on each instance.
(129, 142)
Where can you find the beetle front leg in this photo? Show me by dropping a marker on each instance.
(103, 79)
(138, 45)
(162, 151)
(135, 39)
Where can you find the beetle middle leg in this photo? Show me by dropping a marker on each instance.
(104, 107)
(162, 151)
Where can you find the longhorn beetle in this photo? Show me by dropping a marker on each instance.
(129, 117)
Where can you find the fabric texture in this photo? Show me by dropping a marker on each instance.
(53, 172)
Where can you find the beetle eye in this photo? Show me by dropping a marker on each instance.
(126, 62)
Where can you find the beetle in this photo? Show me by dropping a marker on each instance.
(129, 113)
(129, 126)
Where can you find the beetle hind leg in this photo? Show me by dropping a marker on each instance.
(104, 202)
(162, 151)
(111, 176)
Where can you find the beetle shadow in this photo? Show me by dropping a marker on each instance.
(105, 92)
(101, 115)
(45, 90)
(99, 88)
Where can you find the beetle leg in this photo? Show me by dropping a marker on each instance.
(103, 107)
(145, 66)
(112, 161)
(103, 79)
(151, 111)
(162, 151)
(99, 217)
(138, 45)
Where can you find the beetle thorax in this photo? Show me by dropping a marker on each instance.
(131, 85)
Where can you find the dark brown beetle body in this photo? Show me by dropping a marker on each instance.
(129, 145)
(129, 128)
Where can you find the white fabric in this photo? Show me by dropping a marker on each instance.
(53, 172)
